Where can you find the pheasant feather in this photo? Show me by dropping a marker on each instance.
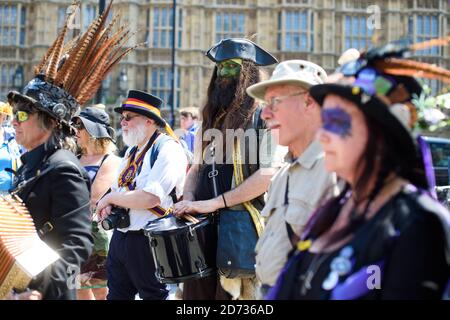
(80, 66)
(403, 67)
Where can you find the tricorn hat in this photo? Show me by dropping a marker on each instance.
(240, 48)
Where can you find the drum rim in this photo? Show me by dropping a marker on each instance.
(149, 233)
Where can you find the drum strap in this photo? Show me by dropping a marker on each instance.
(239, 178)
(126, 178)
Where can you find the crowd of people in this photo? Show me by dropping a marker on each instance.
(335, 184)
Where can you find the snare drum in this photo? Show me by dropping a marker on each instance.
(181, 249)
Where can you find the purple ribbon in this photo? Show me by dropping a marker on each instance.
(273, 292)
(428, 164)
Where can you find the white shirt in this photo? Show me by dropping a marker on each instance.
(168, 171)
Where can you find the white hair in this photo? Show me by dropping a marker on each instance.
(136, 135)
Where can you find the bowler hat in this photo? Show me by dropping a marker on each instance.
(145, 104)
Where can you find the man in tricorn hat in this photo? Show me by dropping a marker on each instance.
(145, 186)
(212, 184)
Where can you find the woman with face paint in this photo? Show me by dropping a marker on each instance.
(384, 236)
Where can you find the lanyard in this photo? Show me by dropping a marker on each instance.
(126, 178)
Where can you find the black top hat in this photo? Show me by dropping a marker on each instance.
(96, 123)
(145, 104)
(242, 49)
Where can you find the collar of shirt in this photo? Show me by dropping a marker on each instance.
(309, 157)
(34, 157)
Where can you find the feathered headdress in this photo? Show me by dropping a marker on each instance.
(69, 75)
(387, 73)
(381, 82)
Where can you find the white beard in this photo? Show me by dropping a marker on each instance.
(135, 136)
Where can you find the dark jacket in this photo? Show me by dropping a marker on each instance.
(61, 197)
(407, 241)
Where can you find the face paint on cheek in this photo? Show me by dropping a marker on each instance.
(226, 72)
(337, 121)
(228, 69)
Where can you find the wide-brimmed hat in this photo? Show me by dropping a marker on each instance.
(384, 94)
(240, 48)
(291, 72)
(96, 122)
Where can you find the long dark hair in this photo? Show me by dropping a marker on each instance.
(380, 156)
(228, 106)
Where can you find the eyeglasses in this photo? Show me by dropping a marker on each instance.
(21, 116)
(271, 105)
(128, 117)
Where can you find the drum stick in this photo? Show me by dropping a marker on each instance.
(190, 218)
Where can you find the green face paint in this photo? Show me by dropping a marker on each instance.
(229, 68)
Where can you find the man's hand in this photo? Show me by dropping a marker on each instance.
(106, 211)
(194, 207)
(104, 206)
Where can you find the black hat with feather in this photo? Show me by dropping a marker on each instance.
(69, 75)
(381, 82)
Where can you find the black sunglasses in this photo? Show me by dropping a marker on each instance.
(128, 117)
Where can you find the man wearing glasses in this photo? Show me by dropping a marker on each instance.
(296, 189)
(144, 188)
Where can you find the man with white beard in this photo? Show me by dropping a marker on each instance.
(142, 183)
